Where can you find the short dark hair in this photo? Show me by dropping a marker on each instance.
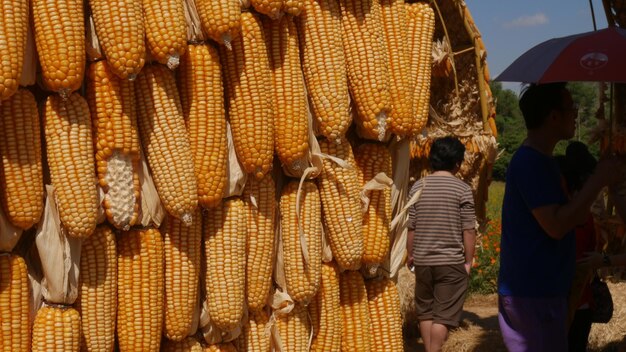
(446, 153)
(538, 100)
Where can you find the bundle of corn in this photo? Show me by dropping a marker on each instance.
(460, 100)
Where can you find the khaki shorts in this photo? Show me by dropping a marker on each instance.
(440, 293)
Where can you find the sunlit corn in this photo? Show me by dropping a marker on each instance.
(386, 318)
(221, 19)
(166, 30)
(56, 329)
(327, 324)
(15, 304)
(13, 31)
(21, 175)
(354, 313)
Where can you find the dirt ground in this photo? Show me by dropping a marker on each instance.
(479, 330)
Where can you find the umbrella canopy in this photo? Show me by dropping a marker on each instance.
(597, 56)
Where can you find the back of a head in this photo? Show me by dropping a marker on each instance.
(578, 154)
(538, 100)
(446, 153)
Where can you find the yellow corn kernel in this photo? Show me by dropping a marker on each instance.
(324, 66)
(116, 140)
(373, 159)
(97, 294)
(367, 65)
(260, 199)
(247, 75)
(327, 324)
(354, 313)
(341, 205)
(221, 19)
(122, 44)
(60, 40)
(222, 347)
(56, 329)
(166, 30)
(140, 290)
(189, 344)
(302, 277)
(13, 31)
(21, 175)
(253, 337)
(384, 310)
(225, 249)
(271, 8)
(401, 120)
(15, 304)
(202, 99)
(71, 162)
(291, 136)
(294, 329)
(421, 25)
(182, 246)
(293, 7)
(166, 141)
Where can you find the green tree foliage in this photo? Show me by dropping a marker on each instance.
(512, 131)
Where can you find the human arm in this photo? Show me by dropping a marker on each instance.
(409, 247)
(558, 219)
(597, 259)
(469, 243)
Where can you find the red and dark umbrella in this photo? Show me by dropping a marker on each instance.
(597, 56)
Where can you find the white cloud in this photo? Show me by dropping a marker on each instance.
(528, 21)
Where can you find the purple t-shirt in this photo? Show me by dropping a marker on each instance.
(532, 264)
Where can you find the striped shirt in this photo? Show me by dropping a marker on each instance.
(444, 209)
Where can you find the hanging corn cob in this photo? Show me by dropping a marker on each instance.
(56, 329)
(123, 44)
(60, 39)
(221, 19)
(247, 75)
(71, 162)
(260, 199)
(294, 329)
(13, 31)
(270, 8)
(182, 246)
(327, 324)
(354, 313)
(116, 140)
(97, 294)
(367, 65)
(400, 120)
(291, 138)
(324, 66)
(253, 337)
(341, 205)
(140, 290)
(373, 159)
(15, 304)
(189, 344)
(166, 30)
(300, 222)
(202, 98)
(225, 249)
(21, 175)
(421, 25)
(166, 142)
(384, 311)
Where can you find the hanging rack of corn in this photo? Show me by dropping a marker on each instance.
(278, 149)
(611, 135)
(461, 103)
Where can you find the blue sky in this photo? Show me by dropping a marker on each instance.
(509, 28)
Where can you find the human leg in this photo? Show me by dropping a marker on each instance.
(438, 336)
(533, 324)
(425, 331)
(424, 302)
(578, 334)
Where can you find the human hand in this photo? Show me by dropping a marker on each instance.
(409, 262)
(468, 267)
(593, 259)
